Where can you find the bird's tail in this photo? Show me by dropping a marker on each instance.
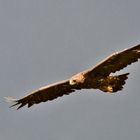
(114, 83)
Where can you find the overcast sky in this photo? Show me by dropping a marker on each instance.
(44, 41)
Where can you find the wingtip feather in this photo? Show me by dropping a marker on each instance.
(10, 99)
(13, 100)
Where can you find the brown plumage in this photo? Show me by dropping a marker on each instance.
(97, 77)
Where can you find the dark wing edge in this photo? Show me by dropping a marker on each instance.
(44, 94)
(115, 62)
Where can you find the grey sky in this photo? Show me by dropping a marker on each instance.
(44, 41)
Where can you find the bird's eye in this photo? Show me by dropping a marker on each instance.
(72, 82)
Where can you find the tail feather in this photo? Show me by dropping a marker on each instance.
(114, 83)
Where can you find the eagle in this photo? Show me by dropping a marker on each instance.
(99, 77)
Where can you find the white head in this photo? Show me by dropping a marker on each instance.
(72, 81)
(77, 79)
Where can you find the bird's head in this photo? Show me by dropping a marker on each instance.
(77, 79)
(73, 82)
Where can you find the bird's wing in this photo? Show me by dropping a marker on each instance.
(45, 93)
(115, 62)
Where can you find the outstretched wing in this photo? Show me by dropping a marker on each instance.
(115, 62)
(45, 93)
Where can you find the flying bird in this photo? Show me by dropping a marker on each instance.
(98, 77)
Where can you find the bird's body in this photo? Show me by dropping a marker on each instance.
(97, 77)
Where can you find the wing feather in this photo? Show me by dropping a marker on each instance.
(115, 62)
(45, 93)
